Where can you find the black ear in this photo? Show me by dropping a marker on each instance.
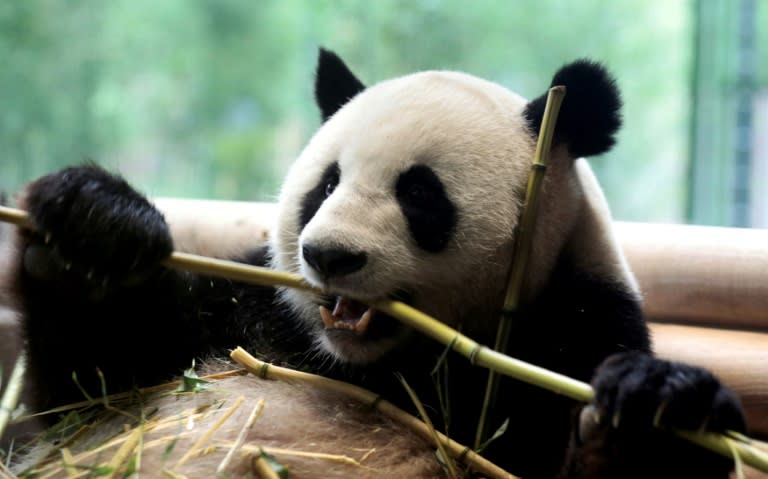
(590, 114)
(335, 84)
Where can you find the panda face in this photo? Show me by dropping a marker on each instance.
(409, 191)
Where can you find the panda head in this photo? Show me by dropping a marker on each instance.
(412, 189)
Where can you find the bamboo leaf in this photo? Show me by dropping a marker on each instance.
(169, 448)
(191, 382)
(275, 465)
(131, 468)
(67, 425)
(497, 434)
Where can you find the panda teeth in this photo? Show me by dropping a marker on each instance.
(330, 321)
(362, 325)
(327, 317)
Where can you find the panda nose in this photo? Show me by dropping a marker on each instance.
(333, 262)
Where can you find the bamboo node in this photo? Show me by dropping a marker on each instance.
(461, 457)
(474, 352)
(264, 370)
(375, 402)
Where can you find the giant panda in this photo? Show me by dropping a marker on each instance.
(410, 189)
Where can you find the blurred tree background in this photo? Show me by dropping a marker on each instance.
(213, 98)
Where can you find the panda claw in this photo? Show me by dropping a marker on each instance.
(597, 417)
(659, 413)
(616, 420)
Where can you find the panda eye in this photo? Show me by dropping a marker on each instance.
(425, 205)
(320, 191)
(330, 187)
(418, 187)
(331, 179)
(418, 194)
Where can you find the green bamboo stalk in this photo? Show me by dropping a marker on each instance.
(521, 249)
(195, 263)
(483, 356)
(478, 354)
(14, 216)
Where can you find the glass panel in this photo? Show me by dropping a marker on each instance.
(214, 98)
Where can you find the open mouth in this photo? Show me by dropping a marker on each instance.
(348, 314)
(356, 317)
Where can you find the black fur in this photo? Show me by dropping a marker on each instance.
(314, 198)
(590, 114)
(335, 84)
(96, 296)
(138, 332)
(632, 391)
(147, 323)
(70, 206)
(430, 213)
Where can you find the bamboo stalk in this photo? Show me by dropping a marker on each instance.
(521, 249)
(14, 216)
(6, 473)
(240, 440)
(125, 395)
(263, 469)
(172, 475)
(195, 263)
(124, 451)
(450, 466)
(235, 271)
(456, 450)
(68, 462)
(279, 451)
(477, 354)
(205, 437)
(483, 356)
(12, 391)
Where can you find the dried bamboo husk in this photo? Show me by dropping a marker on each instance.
(10, 398)
(229, 428)
(456, 450)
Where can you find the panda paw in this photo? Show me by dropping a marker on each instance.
(636, 391)
(624, 431)
(90, 226)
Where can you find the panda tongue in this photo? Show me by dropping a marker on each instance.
(347, 314)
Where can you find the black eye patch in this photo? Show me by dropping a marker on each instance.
(430, 214)
(314, 198)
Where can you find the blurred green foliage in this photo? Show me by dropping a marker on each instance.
(213, 98)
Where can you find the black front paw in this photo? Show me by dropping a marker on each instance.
(91, 226)
(636, 391)
(624, 432)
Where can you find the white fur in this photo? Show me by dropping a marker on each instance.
(471, 132)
